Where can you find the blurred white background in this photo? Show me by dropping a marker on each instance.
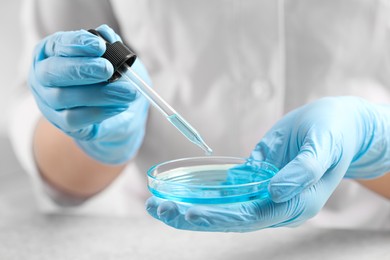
(10, 45)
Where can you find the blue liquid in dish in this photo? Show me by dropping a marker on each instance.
(212, 184)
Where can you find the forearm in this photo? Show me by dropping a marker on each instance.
(66, 167)
(379, 185)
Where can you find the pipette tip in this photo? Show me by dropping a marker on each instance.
(208, 151)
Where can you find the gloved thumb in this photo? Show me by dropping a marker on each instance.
(299, 174)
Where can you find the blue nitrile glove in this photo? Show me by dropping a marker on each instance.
(315, 146)
(68, 79)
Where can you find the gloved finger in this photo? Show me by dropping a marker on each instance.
(108, 33)
(73, 44)
(170, 213)
(237, 217)
(151, 206)
(72, 71)
(218, 218)
(231, 218)
(318, 153)
(163, 210)
(260, 214)
(101, 94)
(308, 203)
(299, 174)
(72, 120)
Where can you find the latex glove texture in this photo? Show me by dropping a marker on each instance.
(68, 79)
(315, 146)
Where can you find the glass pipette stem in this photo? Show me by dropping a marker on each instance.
(178, 121)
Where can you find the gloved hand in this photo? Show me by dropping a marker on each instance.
(68, 79)
(315, 146)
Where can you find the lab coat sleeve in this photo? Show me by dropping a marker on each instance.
(40, 18)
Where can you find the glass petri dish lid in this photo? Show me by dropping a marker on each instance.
(211, 179)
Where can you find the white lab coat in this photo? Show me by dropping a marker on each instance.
(232, 69)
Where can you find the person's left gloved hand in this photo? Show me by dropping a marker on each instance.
(315, 146)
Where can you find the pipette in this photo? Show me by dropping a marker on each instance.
(121, 57)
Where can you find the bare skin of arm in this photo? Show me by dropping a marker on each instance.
(66, 167)
(379, 185)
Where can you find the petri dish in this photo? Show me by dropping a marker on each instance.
(211, 179)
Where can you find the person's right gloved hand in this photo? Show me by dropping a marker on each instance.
(315, 147)
(68, 79)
